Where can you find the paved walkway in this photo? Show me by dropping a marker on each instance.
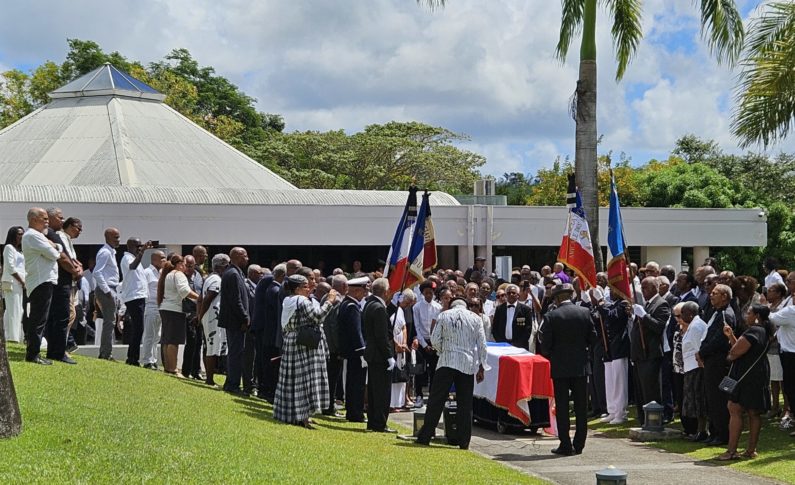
(643, 464)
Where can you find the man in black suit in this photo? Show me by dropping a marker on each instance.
(646, 342)
(712, 353)
(519, 315)
(380, 356)
(234, 317)
(567, 335)
(349, 321)
(267, 329)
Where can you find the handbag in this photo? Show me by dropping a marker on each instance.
(309, 336)
(400, 374)
(729, 384)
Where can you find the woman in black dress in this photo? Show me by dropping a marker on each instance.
(750, 368)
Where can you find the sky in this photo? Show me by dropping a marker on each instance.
(484, 68)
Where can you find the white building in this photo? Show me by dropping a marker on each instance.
(109, 151)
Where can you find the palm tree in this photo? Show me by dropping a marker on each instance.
(766, 92)
(722, 29)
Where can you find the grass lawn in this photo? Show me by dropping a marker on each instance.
(102, 422)
(776, 448)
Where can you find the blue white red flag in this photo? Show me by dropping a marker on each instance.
(617, 268)
(576, 250)
(398, 258)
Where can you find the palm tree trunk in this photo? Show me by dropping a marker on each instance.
(585, 163)
(10, 417)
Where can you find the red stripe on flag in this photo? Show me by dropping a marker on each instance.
(618, 277)
(576, 257)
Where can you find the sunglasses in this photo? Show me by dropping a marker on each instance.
(500, 296)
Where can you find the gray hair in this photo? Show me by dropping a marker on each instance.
(380, 286)
(34, 212)
(279, 270)
(652, 280)
(725, 289)
(409, 295)
(253, 269)
(51, 211)
(663, 280)
(690, 308)
(339, 282)
(510, 287)
(220, 260)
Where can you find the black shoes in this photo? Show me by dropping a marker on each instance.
(68, 360)
(39, 360)
(700, 437)
(563, 451)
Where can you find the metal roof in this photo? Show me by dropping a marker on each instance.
(98, 194)
(119, 141)
(106, 80)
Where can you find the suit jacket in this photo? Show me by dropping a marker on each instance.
(377, 333)
(567, 336)
(715, 346)
(349, 322)
(616, 320)
(658, 312)
(258, 304)
(522, 324)
(234, 299)
(673, 325)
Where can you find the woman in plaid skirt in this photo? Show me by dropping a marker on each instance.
(300, 387)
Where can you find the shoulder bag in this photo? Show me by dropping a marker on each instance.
(729, 384)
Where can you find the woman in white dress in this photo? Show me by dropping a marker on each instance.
(13, 284)
(215, 337)
(400, 337)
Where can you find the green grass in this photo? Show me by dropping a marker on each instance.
(102, 422)
(776, 448)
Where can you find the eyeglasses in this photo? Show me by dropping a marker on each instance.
(501, 296)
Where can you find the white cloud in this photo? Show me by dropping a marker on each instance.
(483, 68)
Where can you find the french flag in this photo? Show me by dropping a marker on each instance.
(576, 250)
(398, 258)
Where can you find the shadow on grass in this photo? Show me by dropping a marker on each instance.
(16, 352)
(518, 457)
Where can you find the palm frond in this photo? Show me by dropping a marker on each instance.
(722, 29)
(570, 25)
(766, 92)
(432, 4)
(627, 31)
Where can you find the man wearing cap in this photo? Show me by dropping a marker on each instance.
(351, 340)
(461, 343)
(478, 267)
(566, 336)
(513, 320)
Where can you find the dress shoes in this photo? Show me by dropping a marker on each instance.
(700, 437)
(422, 443)
(72, 348)
(382, 430)
(67, 360)
(619, 421)
(704, 438)
(716, 442)
(562, 451)
(39, 360)
(606, 419)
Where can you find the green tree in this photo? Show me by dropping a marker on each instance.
(766, 91)
(15, 100)
(675, 183)
(516, 186)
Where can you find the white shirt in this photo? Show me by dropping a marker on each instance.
(691, 342)
(69, 246)
(13, 263)
(488, 308)
(773, 278)
(424, 314)
(460, 340)
(212, 284)
(152, 276)
(133, 285)
(784, 319)
(509, 314)
(40, 259)
(106, 270)
(176, 290)
(89, 276)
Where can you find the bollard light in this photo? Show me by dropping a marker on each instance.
(419, 420)
(653, 417)
(611, 476)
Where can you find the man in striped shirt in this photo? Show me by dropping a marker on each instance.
(460, 341)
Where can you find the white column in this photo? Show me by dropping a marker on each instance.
(700, 253)
(665, 255)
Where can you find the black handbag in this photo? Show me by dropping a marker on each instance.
(729, 385)
(400, 374)
(309, 336)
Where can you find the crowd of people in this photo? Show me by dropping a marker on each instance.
(709, 346)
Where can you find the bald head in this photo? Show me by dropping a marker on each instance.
(112, 237)
(38, 219)
(239, 257)
(292, 266)
(199, 254)
(157, 259)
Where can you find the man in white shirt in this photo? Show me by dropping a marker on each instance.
(41, 267)
(106, 276)
(426, 310)
(771, 266)
(784, 320)
(152, 322)
(461, 344)
(133, 293)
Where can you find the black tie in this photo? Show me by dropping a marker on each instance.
(511, 306)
